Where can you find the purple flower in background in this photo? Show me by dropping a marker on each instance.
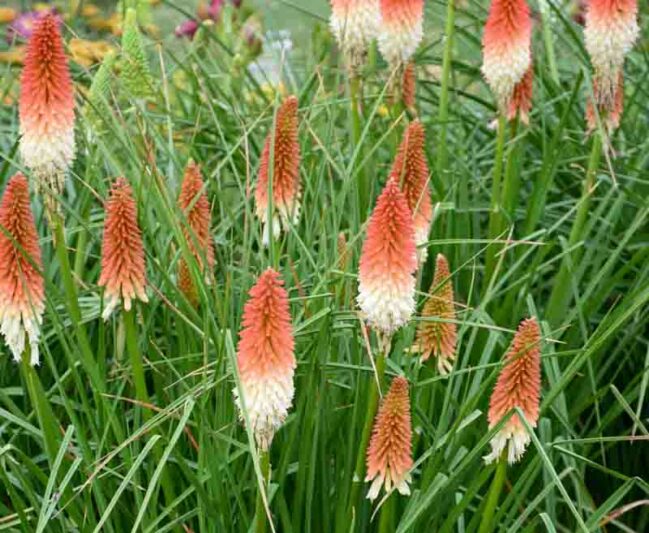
(214, 10)
(187, 28)
(22, 27)
(237, 3)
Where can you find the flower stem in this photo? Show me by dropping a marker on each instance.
(561, 293)
(46, 419)
(137, 366)
(496, 199)
(548, 41)
(442, 153)
(493, 496)
(261, 519)
(362, 187)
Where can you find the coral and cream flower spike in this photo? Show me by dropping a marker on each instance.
(355, 24)
(519, 385)
(506, 49)
(401, 30)
(438, 338)
(410, 169)
(122, 256)
(283, 148)
(22, 293)
(611, 29)
(389, 455)
(196, 230)
(386, 290)
(265, 358)
(47, 110)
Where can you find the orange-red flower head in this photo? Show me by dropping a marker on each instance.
(389, 455)
(610, 32)
(437, 332)
(22, 293)
(519, 385)
(410, 169)
(196, 231)
(409, 87)
(386, 290)
(283, 148)
(47, 106)
(265, 358)
(506, 48)
(122, 257)
(401, 30)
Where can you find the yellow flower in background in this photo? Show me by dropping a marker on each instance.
(7, 15)
(112, 24)
(14, 56)
(90, 10)
(88, 53)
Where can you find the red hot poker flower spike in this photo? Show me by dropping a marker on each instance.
(47, 107)
(22, 293)
(519, 385)
(286, 173)
(389, 455)
(439, 338)
(265, 358)
(122, 261)
(506, 48)
(410, 169)
(386, 289)
(401, 30)
(354, 24)
(196, 208)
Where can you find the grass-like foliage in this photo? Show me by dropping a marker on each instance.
(130, 424)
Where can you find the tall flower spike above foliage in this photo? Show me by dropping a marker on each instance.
(389, 455)
(282, 150)
(401, 30)
(506, 48)
(97, 106)
(386, 289)
(265, 358)
(438, 337)
(410, 169)
(610, 31)
(355, 24)
(136, 73)
(22, 293)
(47, 110)
(409, 88)
(122, 257)
(519, 385)
(196, 208)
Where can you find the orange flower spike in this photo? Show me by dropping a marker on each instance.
(409, 87)
(518, 385)
(386, 288)
(401, 30)
(611, 29)
(286, 173)
(439, 338)
(47, 106)
(410, 169)
(506, 48)
(389, 455)
(196, 208)
(122, 260)
(22, 292)
(266, 359)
